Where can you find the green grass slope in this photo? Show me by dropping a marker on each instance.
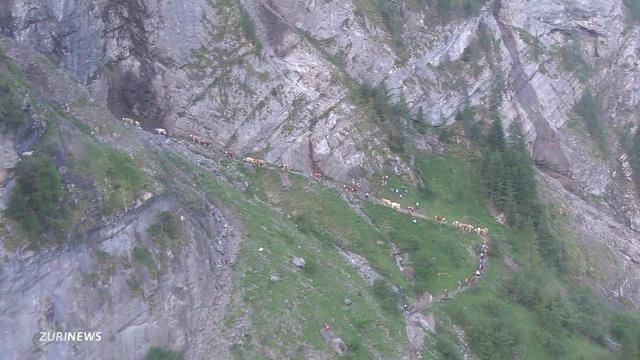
(521, 308)
(287, 306)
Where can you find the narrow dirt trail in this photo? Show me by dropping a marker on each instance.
(416, 323)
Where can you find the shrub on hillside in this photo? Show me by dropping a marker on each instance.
(450, 7)
(309, 227)
(447, 348)
(249, 29)
(634, 8)
(36, 202)
(167, 230)
(572, 60)
(393, 18)
(391, 117)
(143, 256)
(587, 109)
(496, 336)
(156, 353)
(10, 111)
(387, 298)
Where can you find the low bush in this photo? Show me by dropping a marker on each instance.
(168, 229)
(587, 109)
(309, 227)
(634, 8)
(447, 348)
(572, 60)
(10, 102)
(36, 202)
(156, 353)
(249, 29)
(143, 256)
(387, 298)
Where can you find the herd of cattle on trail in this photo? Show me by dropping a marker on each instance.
(410, 210)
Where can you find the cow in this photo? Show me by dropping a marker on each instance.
(456, 223)
(206, 143)
(350, 189)
(229, 154)
(261, 163)
(194, 138)
(128, 121)
(317, 175)
(284, 167)
(137, 124)
(440, 219)
(250, 160)
(161, 131)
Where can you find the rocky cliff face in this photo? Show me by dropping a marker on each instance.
(280, 79)
(60, 289)
(96, 282)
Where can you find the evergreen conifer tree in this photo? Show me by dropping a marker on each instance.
(495, 137)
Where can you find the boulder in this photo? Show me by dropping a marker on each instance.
(338, 346)
(143, 197)
(298, 262)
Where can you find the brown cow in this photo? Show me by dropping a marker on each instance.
(129, 121)
(256, 162)
(441, 220)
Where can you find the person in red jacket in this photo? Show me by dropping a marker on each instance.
(325, 327)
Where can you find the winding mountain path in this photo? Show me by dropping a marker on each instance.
(416, 322)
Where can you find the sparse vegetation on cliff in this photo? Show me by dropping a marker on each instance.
(587, 109)
(37, 201)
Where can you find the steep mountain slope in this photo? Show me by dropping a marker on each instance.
(353, 90)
